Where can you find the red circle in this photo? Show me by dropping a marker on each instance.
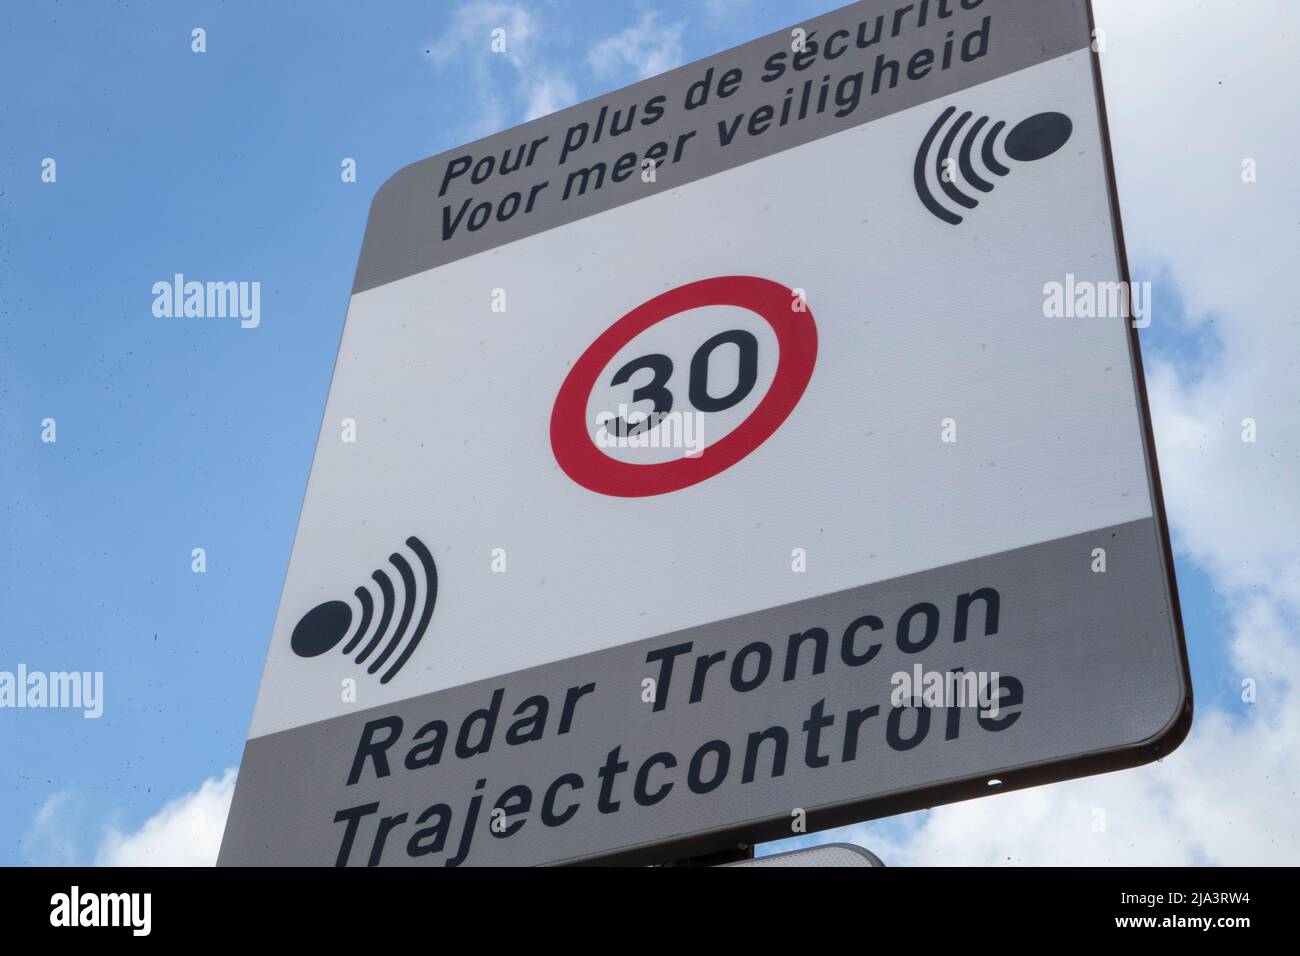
(796, 336)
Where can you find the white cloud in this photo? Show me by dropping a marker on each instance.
(185, 832)
(50, 840)
(471, 33)
(535, 79)
(647, 48)
(1187, 106)
(548, 94)
(532, 76)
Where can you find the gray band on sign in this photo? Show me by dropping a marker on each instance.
(792, 721)
(590, 157)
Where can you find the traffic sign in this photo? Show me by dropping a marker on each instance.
(710, 462)
(576, 435)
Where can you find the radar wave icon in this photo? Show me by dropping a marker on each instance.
(976, 156)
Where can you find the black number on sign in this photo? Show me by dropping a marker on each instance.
(745, 378)
(654, 390)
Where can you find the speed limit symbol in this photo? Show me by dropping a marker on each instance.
(684, 386)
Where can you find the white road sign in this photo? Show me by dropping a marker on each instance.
(761, 442)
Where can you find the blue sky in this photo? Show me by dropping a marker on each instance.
(177, 434)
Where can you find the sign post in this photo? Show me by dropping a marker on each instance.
(827, 855)
(756, 449)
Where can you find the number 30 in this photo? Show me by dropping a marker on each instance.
(656, 390)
